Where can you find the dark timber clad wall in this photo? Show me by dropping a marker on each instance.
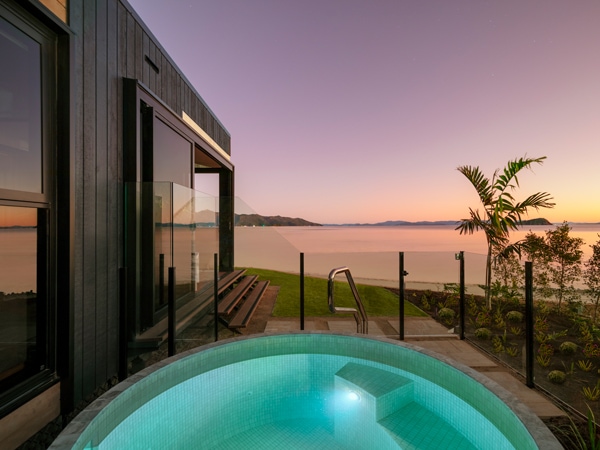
(110, 43)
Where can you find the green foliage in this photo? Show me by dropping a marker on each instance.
(512, 351)
(568, 348)
(585, 365)
(592, 393)
(514, 316)
(483, 333)
(497, 344)
(425, 301)
(517, 331)
(378, 301)
(483, 319)
(565, 255)
(546, 350)
(543, 361)
(573, 436)
(501, 212)
(499, 322)
(591, 350)
(557, 376)
(447, 315)
(591, 277)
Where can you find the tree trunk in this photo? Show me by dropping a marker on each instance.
(488, 277)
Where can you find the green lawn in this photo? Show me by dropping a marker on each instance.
(377, 301)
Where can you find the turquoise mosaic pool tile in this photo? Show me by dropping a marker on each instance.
(210, 394)
(415, 427)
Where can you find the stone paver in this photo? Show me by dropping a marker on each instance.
(530, 397)
(345, 326)
(420, 326)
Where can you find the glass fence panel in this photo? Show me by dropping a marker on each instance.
(171, 230)
(196, 241)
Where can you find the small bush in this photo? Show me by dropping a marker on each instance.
(557, 376)
(514, 316)
(483, 333)
(446, 314)
(568, 347)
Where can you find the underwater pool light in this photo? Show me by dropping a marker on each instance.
(353, 396)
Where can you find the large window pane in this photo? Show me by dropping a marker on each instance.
(172, 156)
(20, 111)
(21, 246)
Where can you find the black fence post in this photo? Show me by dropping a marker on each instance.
(302, 291)
(401, 274)
(216, 295)
(529, 324)
(171, 311)
(161, 279)
(123, 337)
(462, 295)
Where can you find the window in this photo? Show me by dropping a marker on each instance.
(20, 111)
(23, 249)
(26, 195)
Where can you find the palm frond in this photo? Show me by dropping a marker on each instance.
(509, 174)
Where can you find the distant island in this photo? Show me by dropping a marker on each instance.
(210, 219)
(256, 220)
(396, 223)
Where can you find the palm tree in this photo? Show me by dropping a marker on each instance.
(501, 213)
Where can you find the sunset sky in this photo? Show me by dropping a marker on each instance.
(360, 110)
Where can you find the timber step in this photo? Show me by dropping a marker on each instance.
(245, 312)
(157, 334)
(233, 297)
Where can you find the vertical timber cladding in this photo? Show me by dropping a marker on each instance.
(111, 44)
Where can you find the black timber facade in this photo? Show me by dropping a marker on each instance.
(104, 62)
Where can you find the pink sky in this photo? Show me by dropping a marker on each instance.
(361, 110)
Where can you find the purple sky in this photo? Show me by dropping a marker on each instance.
(361, 110)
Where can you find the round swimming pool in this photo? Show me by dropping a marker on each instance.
(307, 390)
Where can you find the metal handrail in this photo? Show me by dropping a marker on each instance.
(362, 323)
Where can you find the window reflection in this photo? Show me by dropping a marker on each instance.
(19, 246)
(172, 156)
(20, 111)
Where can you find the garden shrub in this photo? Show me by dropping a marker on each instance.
(557, 376)
(514, 316)
(568, 347)
(483, 333)
(446, 314)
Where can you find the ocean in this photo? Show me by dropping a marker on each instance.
(371, 252)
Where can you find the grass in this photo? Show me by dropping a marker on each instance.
(377, 301)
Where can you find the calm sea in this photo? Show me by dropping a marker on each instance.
(370, 252)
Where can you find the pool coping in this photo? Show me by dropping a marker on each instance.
(542, 436)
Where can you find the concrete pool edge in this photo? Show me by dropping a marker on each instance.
(74, 431)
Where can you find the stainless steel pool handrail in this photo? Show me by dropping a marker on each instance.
(362, 322)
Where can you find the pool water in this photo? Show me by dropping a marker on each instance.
(303, 390)
(298, 401)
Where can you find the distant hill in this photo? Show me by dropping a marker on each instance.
(256, 220)
(396, 223)
(210, 219)
(540, 221)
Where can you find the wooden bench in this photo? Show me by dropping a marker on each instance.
(244, 314)
(232, 298)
